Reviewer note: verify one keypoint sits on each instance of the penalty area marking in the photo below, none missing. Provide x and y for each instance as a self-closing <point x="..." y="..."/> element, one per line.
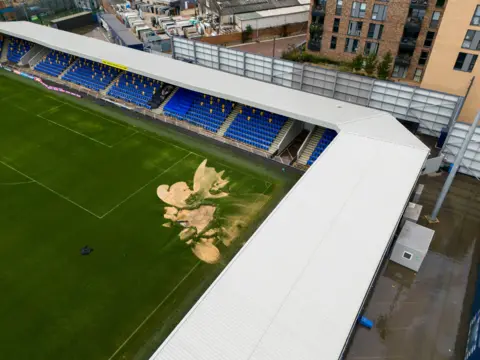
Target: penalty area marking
<point x="144" y="186"/>
<point x="49" y="189"/>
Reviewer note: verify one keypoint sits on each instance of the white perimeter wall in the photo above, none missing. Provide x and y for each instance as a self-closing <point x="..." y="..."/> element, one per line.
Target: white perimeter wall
<point x="273" y="21"/>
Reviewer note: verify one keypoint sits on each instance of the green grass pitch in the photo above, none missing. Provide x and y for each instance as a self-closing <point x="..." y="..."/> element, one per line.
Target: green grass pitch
<point x="74" y="173"/>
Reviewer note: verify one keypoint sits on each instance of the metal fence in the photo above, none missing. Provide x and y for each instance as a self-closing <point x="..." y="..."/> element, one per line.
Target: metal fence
<point x="432" y="110"/>
<point x="471" y="161"/>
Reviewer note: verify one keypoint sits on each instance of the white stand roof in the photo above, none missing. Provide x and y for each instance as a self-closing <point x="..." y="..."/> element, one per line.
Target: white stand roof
<point x="295" y="289"/>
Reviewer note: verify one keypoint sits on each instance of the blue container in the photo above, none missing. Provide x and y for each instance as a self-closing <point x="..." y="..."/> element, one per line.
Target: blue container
<point x="366" y="322"/>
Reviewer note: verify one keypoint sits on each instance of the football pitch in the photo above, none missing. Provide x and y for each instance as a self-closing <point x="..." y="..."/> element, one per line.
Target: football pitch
<point x="163" y="211"/>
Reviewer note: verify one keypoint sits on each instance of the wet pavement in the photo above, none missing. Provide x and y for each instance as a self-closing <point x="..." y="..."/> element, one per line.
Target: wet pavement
<point x="424" y="315"/>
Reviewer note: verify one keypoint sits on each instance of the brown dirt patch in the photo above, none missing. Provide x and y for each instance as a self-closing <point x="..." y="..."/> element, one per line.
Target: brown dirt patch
<point x="207" y="251"/>
<point x="198" y="218"/>
<point x="207" y="179"/>
<point x="175" y="195"/>
<point x="187" y="233"/>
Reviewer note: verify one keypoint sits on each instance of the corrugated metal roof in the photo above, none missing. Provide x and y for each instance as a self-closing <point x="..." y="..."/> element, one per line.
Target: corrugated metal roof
<point x="274" y="12"/>
<point x="295" y="289"/>
<point x="120" y="30"/>
<point x="243" y="6"/>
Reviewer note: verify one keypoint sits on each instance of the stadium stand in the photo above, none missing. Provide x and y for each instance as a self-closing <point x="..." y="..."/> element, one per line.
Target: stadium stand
<point x="91" y="74"/>
<point x="325" y="140"/>
<point x="54" y="63"/>
<point x="199" y="109"/>
<point x="255" y="127"/>
<point x="17" y="48"/>
<point x="135" y="89"/>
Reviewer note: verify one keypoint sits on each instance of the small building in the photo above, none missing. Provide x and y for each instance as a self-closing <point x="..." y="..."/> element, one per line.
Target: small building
<point x="273" y="18"/>
<point x="226" y="11"/>
<point x="118" y="33"/>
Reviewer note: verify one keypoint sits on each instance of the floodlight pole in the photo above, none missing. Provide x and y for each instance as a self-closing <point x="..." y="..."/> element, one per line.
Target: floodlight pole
<point x="456" y="164"/>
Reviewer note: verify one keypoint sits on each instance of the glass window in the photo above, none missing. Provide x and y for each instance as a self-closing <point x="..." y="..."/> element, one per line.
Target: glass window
<point x="440" y="3"/>
<point x="429" y="39"/>
<point x="472" y="40"/>
<point x="355" y="28"/>
<point x="418" y="75"/>
<point x="351" y="45"/>
<point x="375" y="31"/>
<point x="371" y="48"/>
<point x="399" y="71"/>
<point x="379" y="12"/>
<point x="465" y="62"/>
<point x="358" y="9"/>
<point x="333" y="43"/>
<point x="476" y="17"/>
<point x="423" y="58"/>
<point x="435" y="19"/>
<point x="336" y="25"/>
<point x="338" y="10"/>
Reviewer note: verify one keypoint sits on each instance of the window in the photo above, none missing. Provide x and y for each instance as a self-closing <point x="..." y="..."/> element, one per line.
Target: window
<point x="371" y="48"/>
<point x="333" y="43"/>
<point x="375" y="31"/>
<point x="351" y="45"/>
<point x="429" y="39"/>
<point x="435" y="19"/>
<point x="423" y="58"/>
<point x="358" y="9"/>
<point x="416" y="15"/>
<point x="476" y="17"/>
<point x="355" y="28"/>
<point x="399" y="72"/>
<point x="338" y="10"/>
<point x="440" y="3"/>
<point x="472" y="40"/>
<point x="418" y="75"/>
<point x="379" y="12"/>
<point x="465" y="62"/>
<point x="407" y="255"/>
<point x="336" y="25"/>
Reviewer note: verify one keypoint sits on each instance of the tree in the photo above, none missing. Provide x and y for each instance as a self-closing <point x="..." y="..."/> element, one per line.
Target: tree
<point x="370" y="64"/>
<point x="357" y="62"/>
<point x="384" y="67"/>
<point x="247" y="33"/>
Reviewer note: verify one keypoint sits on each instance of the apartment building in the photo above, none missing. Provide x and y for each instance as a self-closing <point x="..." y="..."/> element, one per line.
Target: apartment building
<point x="453" y="66"/>
<point x="342" y="29"/>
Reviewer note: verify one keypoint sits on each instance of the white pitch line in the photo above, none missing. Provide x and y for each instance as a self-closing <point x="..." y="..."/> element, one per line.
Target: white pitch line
<point x="17" y="183"/>
<point x="75" y="132"/>
<point x="50" y="110"/>
<point x="125" y="138"/>
<point x="154" y="310"/>
<point x="144" y="186"/>
<point x="49" y="189"/>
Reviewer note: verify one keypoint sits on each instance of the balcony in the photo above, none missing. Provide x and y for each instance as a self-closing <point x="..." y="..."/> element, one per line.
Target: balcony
<point x="403" y="60"/>
<point x="315" y="45"/>
<point x="408" y="43"/>
<point x="418" y="4"/>
<point x="318" y="8"/>
<point x="413" y="23"/>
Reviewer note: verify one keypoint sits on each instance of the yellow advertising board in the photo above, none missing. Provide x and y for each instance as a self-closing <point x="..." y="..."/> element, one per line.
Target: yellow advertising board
<point x="115" y="65"/>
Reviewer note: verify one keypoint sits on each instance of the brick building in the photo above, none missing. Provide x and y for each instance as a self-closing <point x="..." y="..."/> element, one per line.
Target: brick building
<point x="342" y="29"/>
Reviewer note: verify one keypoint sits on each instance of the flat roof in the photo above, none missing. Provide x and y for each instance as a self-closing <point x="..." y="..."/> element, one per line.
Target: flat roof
<point x="294" y="291"/>
<point x="274" y="12"/>
<point x="120" y="30"/>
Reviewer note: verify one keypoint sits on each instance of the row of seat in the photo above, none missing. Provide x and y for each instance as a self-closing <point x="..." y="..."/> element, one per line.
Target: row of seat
<point x="1" y="44"/>
<point x="17" y="48"/>
<point x="325" y="140"/>
<point x="256" y="127"/>
<point x="136" y="89"/>
<point x="91" y="74"/>
<point x="54" y="63"/>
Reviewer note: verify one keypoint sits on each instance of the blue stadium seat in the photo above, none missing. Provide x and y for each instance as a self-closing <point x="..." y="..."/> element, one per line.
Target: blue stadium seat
<point x="91" y="74"/>
<point x="199" y="109"/>
<point x="17" y="48"/>
<point x="135" y="89"/>
<point x="325" y="140"/>
<point x="1" y="44"/>
<point x="54" y="63"/>
<point x="255" y="127"/>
